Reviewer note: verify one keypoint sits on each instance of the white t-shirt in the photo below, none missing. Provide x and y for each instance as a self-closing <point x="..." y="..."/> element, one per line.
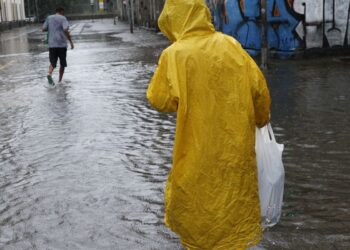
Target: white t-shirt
<point x="56" y="25"/>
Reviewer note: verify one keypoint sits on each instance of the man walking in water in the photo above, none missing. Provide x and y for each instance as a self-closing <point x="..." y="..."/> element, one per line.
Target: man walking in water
<point x="58" y="33"/>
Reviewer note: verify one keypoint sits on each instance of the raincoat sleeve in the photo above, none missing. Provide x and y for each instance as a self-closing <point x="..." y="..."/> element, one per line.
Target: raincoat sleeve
<point x="161" y="92"/>
<point x="261" y="95"/>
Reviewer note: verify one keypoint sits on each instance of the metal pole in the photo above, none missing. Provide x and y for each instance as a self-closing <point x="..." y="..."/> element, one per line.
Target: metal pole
<point x="131" y="15"/>
<point x="92" y="13"/>
<point x="264" y="50"/>
<point x="37" y="10"/>
<point x="92" y="6"/>
<point x="154" y="13"/>
<point x="1" y="12"/>
<point x="150" y="13"/>
<point x="28" y="2"/>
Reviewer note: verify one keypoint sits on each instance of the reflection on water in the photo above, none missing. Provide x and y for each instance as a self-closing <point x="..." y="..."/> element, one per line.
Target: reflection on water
<point x="83" y="165"/>
<point x="311" y="112"/>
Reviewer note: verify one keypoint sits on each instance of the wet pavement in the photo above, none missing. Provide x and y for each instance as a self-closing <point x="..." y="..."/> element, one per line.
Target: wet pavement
<point x="83" y="165"/>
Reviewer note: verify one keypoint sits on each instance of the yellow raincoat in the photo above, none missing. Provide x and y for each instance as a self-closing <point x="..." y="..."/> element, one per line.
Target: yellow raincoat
<point x="220" y="95"/>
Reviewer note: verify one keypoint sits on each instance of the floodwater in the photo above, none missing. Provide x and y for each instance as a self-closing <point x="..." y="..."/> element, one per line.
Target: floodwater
<point x="83" y="165"/>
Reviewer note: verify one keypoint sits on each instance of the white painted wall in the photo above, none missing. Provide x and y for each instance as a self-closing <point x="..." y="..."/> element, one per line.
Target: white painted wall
<point x="328" y="19"/>
<point x="12" y="10"/>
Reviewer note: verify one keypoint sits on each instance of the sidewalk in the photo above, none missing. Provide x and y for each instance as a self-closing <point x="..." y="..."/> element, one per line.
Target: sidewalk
<point x="11" y="25"/>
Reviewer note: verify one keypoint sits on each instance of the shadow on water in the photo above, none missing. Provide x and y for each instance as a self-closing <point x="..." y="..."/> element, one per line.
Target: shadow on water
<point x="83" y="165"/>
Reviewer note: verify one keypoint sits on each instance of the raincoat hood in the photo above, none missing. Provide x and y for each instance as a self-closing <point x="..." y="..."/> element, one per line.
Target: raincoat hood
<point x="183" y="18"/>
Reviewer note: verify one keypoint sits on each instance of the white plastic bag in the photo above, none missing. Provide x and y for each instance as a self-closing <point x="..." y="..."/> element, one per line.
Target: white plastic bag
<point x="271" y="175"/>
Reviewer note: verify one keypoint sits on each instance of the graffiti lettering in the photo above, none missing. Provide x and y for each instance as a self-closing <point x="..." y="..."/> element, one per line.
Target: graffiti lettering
<point x="282" y="25"/>
<point x="291" y="24"/>
<point x="336" y="29"/>
<point x="238" y="18"/>
<point x="329" y="19"/>
<point x="242" y="23"/>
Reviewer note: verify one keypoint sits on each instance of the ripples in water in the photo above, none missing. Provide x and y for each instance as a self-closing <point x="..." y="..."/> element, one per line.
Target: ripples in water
<point x="83" y="165"/>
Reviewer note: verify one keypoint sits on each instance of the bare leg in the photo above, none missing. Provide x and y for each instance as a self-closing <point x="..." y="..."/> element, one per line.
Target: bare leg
<point x="49" y="76"/>
<point x="51" y="70"/>
<point x="61" y="74"/>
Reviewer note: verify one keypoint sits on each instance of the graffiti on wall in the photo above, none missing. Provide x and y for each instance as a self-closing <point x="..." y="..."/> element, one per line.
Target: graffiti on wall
<point x="325" y="22"/>
<point x="282" y="24"/>
<point x="240" y="20"/>
<point x="290" y="24"/>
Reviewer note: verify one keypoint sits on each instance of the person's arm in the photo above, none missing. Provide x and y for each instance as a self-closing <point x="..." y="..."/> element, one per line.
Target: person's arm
<point x="66" y="32"/>
<point x="45" y="26"/>
<point x="69" y="38"/>
<point x="261" y="95"/>
<point x="161" y="93"/>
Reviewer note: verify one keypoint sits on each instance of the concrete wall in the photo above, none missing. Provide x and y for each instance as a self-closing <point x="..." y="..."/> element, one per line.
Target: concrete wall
<point x="146" y="12"/>
<point x="291" y="24"/>
<point x="12" y="10"/>
<point x="85" y="7"/>
<point x="122" y="9"/>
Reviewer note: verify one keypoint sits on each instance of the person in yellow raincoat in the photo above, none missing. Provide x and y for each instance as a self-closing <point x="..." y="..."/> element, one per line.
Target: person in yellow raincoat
<point x="220" y="96"/>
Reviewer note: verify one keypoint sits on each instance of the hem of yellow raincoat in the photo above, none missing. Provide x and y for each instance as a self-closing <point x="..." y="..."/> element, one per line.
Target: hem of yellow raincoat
<point x="233" y="246"/>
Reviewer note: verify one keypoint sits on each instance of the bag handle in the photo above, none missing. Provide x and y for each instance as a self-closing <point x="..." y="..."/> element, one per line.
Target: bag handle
<point x="271" y="134"/>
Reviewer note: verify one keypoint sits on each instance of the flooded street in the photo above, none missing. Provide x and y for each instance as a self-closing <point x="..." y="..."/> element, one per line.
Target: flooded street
<point x="83" y="165"/>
